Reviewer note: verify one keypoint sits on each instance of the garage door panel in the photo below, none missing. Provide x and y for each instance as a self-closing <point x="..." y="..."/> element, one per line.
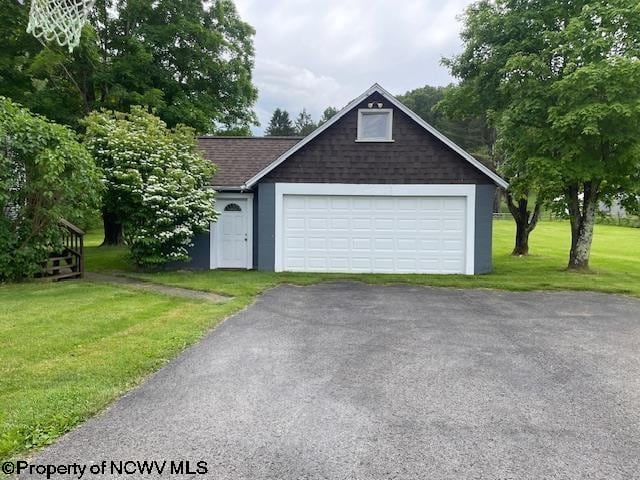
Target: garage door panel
<point x="339" y="224"/>
<point x="374" y="234"/>
<point x="338" y="263"/>
<point x="384" y="204"/>
<point x="315" y="223"/>
<point x="296" y="243"/>
<point x="359" y="223"/>
<point x="294" y="263"/>
<point x="339" y="244"/>
<point x="453" y="204"/>
<point x="361" y="244"/>
<point x="384" y="224"/>
<point x="316" y="243"/>
<point x="317" y="202"/>
<point x="384" y="244"/>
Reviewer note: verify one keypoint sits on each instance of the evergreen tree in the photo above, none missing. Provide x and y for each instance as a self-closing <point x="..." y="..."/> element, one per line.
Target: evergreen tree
<point x="280" y="125"/>
<point x="304" y="123"/>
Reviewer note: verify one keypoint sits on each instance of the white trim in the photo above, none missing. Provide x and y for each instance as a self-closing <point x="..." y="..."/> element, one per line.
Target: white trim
<point x="377" y="88"/>
<point x="467" y="191"/>
<point x="214" y="239"/>
<point x="362" y="112"/>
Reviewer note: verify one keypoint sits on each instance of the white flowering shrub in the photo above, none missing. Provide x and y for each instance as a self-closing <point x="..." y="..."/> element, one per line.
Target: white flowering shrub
<point x="155" y="181"/>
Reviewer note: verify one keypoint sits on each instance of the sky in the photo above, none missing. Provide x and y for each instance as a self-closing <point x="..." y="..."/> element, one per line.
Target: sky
<point x="318" y="53"/>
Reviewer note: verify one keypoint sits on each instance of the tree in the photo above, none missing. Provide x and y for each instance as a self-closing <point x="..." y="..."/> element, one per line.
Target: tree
<point x="156" y="182"/>
<point x="493" y="33"/>
<point x="327" y="114"/>
<point x="280" y="125"/>
<point x="516" y="55"/>
<point x="191" y="61"/>
<point x="469" y="131"/>
<point x="304" y="124"/>
<point x="595" y="146"/>
<point x="45" y="175"/>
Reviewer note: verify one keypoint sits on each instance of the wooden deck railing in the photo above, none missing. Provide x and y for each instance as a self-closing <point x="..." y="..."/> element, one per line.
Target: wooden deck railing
<point x="69" y="263"/>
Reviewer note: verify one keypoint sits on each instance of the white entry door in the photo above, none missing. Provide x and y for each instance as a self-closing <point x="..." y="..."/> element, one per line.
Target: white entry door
<point x="231" y="234"/>
<point x="333" y="233"/>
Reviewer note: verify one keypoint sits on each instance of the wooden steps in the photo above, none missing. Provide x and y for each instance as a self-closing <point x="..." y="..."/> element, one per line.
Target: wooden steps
<point x="69" y="262"/>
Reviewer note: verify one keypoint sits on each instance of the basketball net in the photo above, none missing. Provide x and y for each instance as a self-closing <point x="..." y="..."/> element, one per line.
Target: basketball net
<point x="59" y="21"/>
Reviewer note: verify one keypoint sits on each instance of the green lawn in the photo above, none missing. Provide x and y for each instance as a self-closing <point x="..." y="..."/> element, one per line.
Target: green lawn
<point x="71" y="348"/>
<point x="615" y="266"/>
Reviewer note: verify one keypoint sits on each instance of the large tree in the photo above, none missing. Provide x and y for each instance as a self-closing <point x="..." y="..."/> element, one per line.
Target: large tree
<point x="191" y="61"/>
<point x="525" y="64"/>
<point x="595" y="144"/>
<point x="156" y="182"/>
<point x="280" y="125"/>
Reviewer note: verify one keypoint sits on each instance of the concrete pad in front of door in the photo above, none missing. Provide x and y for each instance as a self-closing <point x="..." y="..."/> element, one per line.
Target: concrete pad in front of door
<point x="345" y="380"/>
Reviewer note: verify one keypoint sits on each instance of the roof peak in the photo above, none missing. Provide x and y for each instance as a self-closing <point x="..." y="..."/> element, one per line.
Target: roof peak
<point x="376" y="87"/>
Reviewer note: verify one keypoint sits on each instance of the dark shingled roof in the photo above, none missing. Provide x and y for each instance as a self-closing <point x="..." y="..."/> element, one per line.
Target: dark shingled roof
<point x="240" y="158"/>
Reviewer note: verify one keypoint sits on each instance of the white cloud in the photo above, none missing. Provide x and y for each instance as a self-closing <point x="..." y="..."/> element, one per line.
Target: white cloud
<point x="313" y="54"/>
<point x="294" y="88"/>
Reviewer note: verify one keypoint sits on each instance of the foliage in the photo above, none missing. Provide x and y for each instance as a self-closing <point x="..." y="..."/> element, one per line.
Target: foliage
<point x="191" y="61"/>
<point x="45" y="175"/>
<point x="533" y="68"/>
<point x="327" y="114"/>
<point x="469" y="131"/>
<point x="304" y="124"/>
<point x="280" y="125"/>
<point x="156" y="182"/>
<point x="598" y="107"/>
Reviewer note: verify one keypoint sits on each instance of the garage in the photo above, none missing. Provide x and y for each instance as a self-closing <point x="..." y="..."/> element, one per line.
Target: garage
<point x="380" y="234"/>
<point x="375" y="189"/>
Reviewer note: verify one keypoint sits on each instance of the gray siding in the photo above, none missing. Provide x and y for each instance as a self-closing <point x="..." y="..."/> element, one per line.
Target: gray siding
<point x="256" y="228"/>
<point x="200" y="254"/>
<point x="485" y="195"/>
<point x="265" y="217"/>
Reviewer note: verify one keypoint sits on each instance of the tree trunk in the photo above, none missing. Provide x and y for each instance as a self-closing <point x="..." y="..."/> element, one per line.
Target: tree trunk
<point x="112" y="229"/>
<point x="526" y="222"/>
<point x="522" y="240"/>
<point x="582" y="222"/>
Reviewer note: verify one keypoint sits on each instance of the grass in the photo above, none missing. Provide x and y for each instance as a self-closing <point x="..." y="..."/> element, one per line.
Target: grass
<point x="104" y="259"/>
<point x="615" y="263"/>
<point x="71" y="348"/>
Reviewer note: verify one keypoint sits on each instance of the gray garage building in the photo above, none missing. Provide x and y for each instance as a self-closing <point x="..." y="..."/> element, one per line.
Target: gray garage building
<point x="375" y="189"/>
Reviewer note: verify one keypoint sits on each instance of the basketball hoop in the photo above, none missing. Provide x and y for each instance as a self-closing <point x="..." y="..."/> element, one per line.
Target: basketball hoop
<point x="59" y="20"/>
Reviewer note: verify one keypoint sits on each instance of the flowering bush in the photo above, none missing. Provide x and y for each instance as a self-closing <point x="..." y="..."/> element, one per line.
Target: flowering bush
<point x="45" y="175"/>
<point x="155" y="181"/>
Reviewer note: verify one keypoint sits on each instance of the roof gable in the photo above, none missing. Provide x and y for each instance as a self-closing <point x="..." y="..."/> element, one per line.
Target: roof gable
<point x="495" y="178"/>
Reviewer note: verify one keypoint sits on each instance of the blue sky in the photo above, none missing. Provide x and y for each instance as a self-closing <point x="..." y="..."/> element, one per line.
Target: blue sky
<point x="316" y="53"/>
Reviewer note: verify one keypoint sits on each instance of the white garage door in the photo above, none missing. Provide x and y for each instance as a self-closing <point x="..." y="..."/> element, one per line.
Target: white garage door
<point x="327" y="233"/>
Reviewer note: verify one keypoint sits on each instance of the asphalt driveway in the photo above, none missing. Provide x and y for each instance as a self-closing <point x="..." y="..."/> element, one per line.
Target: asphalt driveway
<point x="349" y="381"/>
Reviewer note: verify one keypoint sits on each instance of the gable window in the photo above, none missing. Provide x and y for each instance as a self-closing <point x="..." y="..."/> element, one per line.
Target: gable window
<point x="375" y="125"/>
<point x="232" y="207"/>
